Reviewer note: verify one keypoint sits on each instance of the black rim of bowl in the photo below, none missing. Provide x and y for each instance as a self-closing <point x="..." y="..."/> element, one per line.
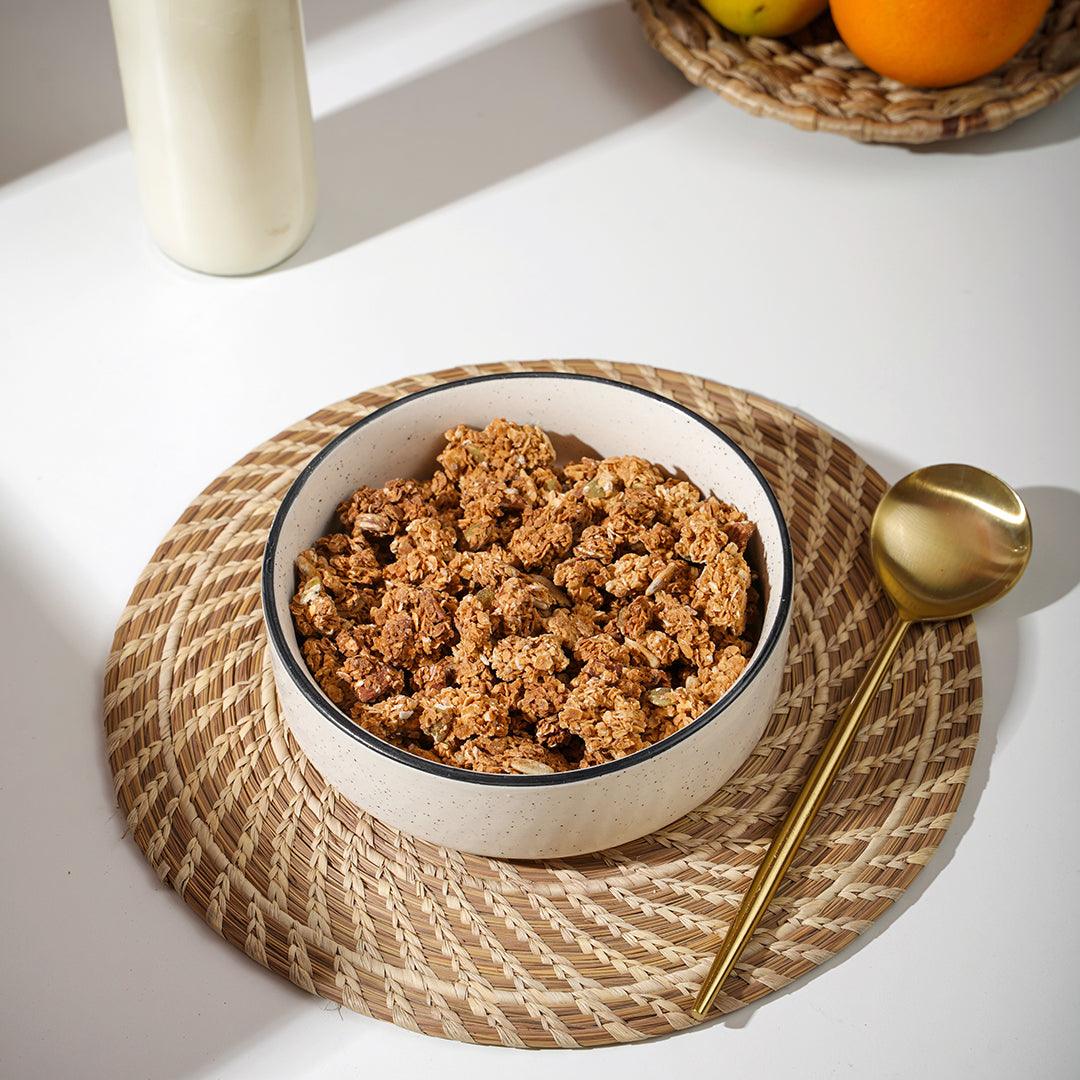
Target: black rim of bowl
<point x="302" y="680"/>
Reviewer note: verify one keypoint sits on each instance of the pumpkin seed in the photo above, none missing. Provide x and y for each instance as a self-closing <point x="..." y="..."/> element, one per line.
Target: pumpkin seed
<point x="440" y="732"/>
<point x="600" y="487"/>
<point x="474" y="535"/>
<point x="312" y="588"/>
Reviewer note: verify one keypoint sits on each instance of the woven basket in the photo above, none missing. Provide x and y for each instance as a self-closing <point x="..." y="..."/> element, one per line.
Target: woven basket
<point x="813" y="82"/>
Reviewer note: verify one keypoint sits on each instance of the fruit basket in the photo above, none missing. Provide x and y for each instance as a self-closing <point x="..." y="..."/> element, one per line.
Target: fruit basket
<point x="812" y="81"/>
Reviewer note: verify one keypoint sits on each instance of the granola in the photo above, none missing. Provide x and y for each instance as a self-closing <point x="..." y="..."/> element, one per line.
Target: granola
<point x="512" y="616"/>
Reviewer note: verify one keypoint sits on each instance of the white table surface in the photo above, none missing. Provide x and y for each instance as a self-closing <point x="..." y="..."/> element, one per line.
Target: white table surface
<point x="522" y="180"/>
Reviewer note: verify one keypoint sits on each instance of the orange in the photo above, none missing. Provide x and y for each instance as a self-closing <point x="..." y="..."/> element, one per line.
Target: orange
<point x="936" y="42"/>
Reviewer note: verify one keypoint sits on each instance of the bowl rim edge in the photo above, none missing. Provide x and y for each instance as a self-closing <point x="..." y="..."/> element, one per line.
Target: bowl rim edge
<point x="328" y="711"/>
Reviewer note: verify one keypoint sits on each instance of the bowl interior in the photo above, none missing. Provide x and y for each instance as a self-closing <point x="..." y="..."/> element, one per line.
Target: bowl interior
<point x="582" y="414"/>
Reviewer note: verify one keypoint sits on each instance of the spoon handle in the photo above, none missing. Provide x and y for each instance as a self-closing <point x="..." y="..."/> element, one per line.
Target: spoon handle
<point x="797" y="823"/>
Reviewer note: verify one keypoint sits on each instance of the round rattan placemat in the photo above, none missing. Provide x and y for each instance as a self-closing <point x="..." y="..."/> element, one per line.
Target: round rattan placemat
<point x="579" y="952"/>
<point x="811" y="80"/>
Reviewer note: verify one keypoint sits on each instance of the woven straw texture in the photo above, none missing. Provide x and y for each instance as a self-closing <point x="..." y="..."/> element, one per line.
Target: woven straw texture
<point x="811" y="80"/>
<point x="587" y="951"/>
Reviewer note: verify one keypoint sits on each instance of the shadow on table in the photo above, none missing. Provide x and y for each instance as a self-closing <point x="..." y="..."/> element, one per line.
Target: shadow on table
<point x="104" y="968"/>
<point x="59" y="87"/>
<point x="59" y="84"/>
<point x="394" y="157"/>
<point x="1053" y="573"/>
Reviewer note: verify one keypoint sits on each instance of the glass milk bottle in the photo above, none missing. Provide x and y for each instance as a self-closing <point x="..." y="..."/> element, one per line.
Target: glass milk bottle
<point x="217" y="103"/>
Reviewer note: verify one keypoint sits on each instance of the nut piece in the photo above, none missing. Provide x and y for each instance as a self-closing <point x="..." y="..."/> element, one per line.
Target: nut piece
<point x="662" y="578"/>
<point x="560" y="598"/>
<point x="375" y="523"/>
<point x="528" y="767"/>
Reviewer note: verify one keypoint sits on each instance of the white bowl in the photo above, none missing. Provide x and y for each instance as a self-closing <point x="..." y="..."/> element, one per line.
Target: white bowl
<point x="529" y="817"/>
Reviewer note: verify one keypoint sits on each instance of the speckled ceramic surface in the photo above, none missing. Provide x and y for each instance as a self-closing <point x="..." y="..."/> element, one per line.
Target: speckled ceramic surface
<point x="529" y="817"/>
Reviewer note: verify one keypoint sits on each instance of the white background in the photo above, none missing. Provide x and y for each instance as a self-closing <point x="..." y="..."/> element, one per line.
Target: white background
<point x="519" y="180"/>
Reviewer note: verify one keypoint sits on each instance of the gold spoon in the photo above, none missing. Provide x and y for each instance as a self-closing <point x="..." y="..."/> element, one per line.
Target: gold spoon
<point x="945" y="540"/>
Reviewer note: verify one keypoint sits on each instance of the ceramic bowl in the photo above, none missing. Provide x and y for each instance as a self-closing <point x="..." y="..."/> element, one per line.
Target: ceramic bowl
<point x="529" y="817"/>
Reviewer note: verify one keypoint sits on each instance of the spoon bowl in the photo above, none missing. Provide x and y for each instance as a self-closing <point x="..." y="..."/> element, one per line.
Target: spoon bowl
<point x="947" y="540"/>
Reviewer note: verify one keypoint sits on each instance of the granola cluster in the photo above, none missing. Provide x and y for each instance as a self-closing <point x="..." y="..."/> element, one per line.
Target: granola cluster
<point x="511" y="616"/>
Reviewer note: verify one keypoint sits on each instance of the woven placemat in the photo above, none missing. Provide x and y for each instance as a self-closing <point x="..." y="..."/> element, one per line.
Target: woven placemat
<point x="578" y="952"/>
<point x="811" y="80"/>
